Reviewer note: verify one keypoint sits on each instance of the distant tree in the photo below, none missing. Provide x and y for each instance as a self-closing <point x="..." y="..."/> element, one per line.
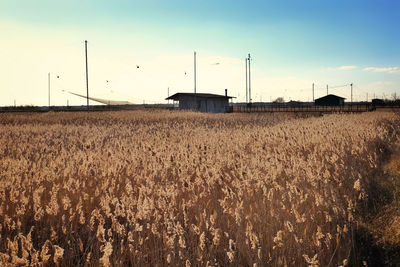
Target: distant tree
<point x="279" y="100"/>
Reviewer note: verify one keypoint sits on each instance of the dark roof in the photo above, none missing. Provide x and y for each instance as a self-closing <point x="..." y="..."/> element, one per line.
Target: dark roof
<point x="177" y="95"/>
<point x="330" y="97"/>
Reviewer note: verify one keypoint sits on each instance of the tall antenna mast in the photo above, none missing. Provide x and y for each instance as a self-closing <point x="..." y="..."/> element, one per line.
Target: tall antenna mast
<point x="351" y="86"/>
<point x="249" y="81"/>
<point x="246" y="83"/>
<point x="87" y="77"/>
<point x="313" y="92"/>
<point x="195" y="72"/>
<point x="48" y="80"/>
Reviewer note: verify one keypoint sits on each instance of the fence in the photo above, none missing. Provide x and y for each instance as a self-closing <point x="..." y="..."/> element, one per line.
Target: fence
<point x="306" y="108"/>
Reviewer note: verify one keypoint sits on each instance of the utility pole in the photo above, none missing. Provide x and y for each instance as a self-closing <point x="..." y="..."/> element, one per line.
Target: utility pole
<point x="313" y="92"/>
<point x="87" y="77"/>
<point x="195" y="72"/>
<point x="327" y="90"/>
<point x="249" y="81"/>
<point x="351" y="86"/>
<point x="195" y="96"/>
<point x="168" y="95"/>
<point x="247" y="98"/>
<point x="48" y="81"/>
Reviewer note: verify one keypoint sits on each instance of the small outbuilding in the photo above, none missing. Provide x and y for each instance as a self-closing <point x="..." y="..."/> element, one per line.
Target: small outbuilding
<point x="330" y="100"/>
<point x="378" y="102"/>
<point x="202" y="102"/>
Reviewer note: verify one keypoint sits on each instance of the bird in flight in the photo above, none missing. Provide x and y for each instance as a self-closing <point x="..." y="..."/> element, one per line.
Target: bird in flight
<point x="137" y="66"/>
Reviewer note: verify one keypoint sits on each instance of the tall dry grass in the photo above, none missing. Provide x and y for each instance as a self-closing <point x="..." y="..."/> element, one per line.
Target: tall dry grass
<point x="185" y="189"/>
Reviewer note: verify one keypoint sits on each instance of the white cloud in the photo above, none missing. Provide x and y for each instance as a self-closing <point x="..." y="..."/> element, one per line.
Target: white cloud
<point x="350" y="67"/>
<point x="387" y="69"/>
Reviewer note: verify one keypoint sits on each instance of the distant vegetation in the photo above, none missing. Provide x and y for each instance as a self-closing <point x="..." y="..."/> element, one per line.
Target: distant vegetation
<point x="160" y="188"/>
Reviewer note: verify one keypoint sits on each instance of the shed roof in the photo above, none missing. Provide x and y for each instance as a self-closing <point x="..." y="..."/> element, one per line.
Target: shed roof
<point x="330" y="97"/>
<point x="202" y="95"/>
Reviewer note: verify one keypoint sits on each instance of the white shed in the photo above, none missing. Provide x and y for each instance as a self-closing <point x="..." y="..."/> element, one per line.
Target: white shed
<point x="203" y="102"/>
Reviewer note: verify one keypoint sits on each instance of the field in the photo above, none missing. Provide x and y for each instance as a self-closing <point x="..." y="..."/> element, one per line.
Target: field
<point x="160" y="188"/>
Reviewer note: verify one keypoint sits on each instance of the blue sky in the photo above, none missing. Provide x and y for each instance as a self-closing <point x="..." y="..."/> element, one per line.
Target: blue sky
<point x="293" y="44"/>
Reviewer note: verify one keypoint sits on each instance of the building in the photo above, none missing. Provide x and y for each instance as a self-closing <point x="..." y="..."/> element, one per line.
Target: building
<point x="330" y="100"/>
<point x="203" y="102"/>
<point x="378" y="102"/>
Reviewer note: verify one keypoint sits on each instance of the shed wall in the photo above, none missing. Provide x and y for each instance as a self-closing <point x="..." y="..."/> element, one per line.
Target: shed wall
<point x="212" y="105"/>
<point x="329" y="102"/>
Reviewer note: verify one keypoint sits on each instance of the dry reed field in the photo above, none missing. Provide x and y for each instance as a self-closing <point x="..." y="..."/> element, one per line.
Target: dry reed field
<point x="160" y="188"/>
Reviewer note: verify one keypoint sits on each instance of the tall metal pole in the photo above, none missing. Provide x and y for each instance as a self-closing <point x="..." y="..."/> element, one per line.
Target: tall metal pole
<point x="249" y="80"/>
<point x="247" y="97"/>
<point x="327" y="90"/>
<point x="196" y="107"/>
<point x="87" y="77"/>
<point x="351" y="86"/>
<point x="48" y="80"/>
<point x="168" y="95"/>
<point x="195" y="73"/>
<point x="313" y="92"/>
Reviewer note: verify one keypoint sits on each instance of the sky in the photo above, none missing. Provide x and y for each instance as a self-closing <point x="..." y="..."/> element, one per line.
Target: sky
<point x="292" y="43"/>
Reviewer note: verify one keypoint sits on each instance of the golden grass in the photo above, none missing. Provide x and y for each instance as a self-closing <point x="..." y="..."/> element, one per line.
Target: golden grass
<point x="178" y="188"/>
<point x="385" y="225"/>
<point x="394" y="165"/>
